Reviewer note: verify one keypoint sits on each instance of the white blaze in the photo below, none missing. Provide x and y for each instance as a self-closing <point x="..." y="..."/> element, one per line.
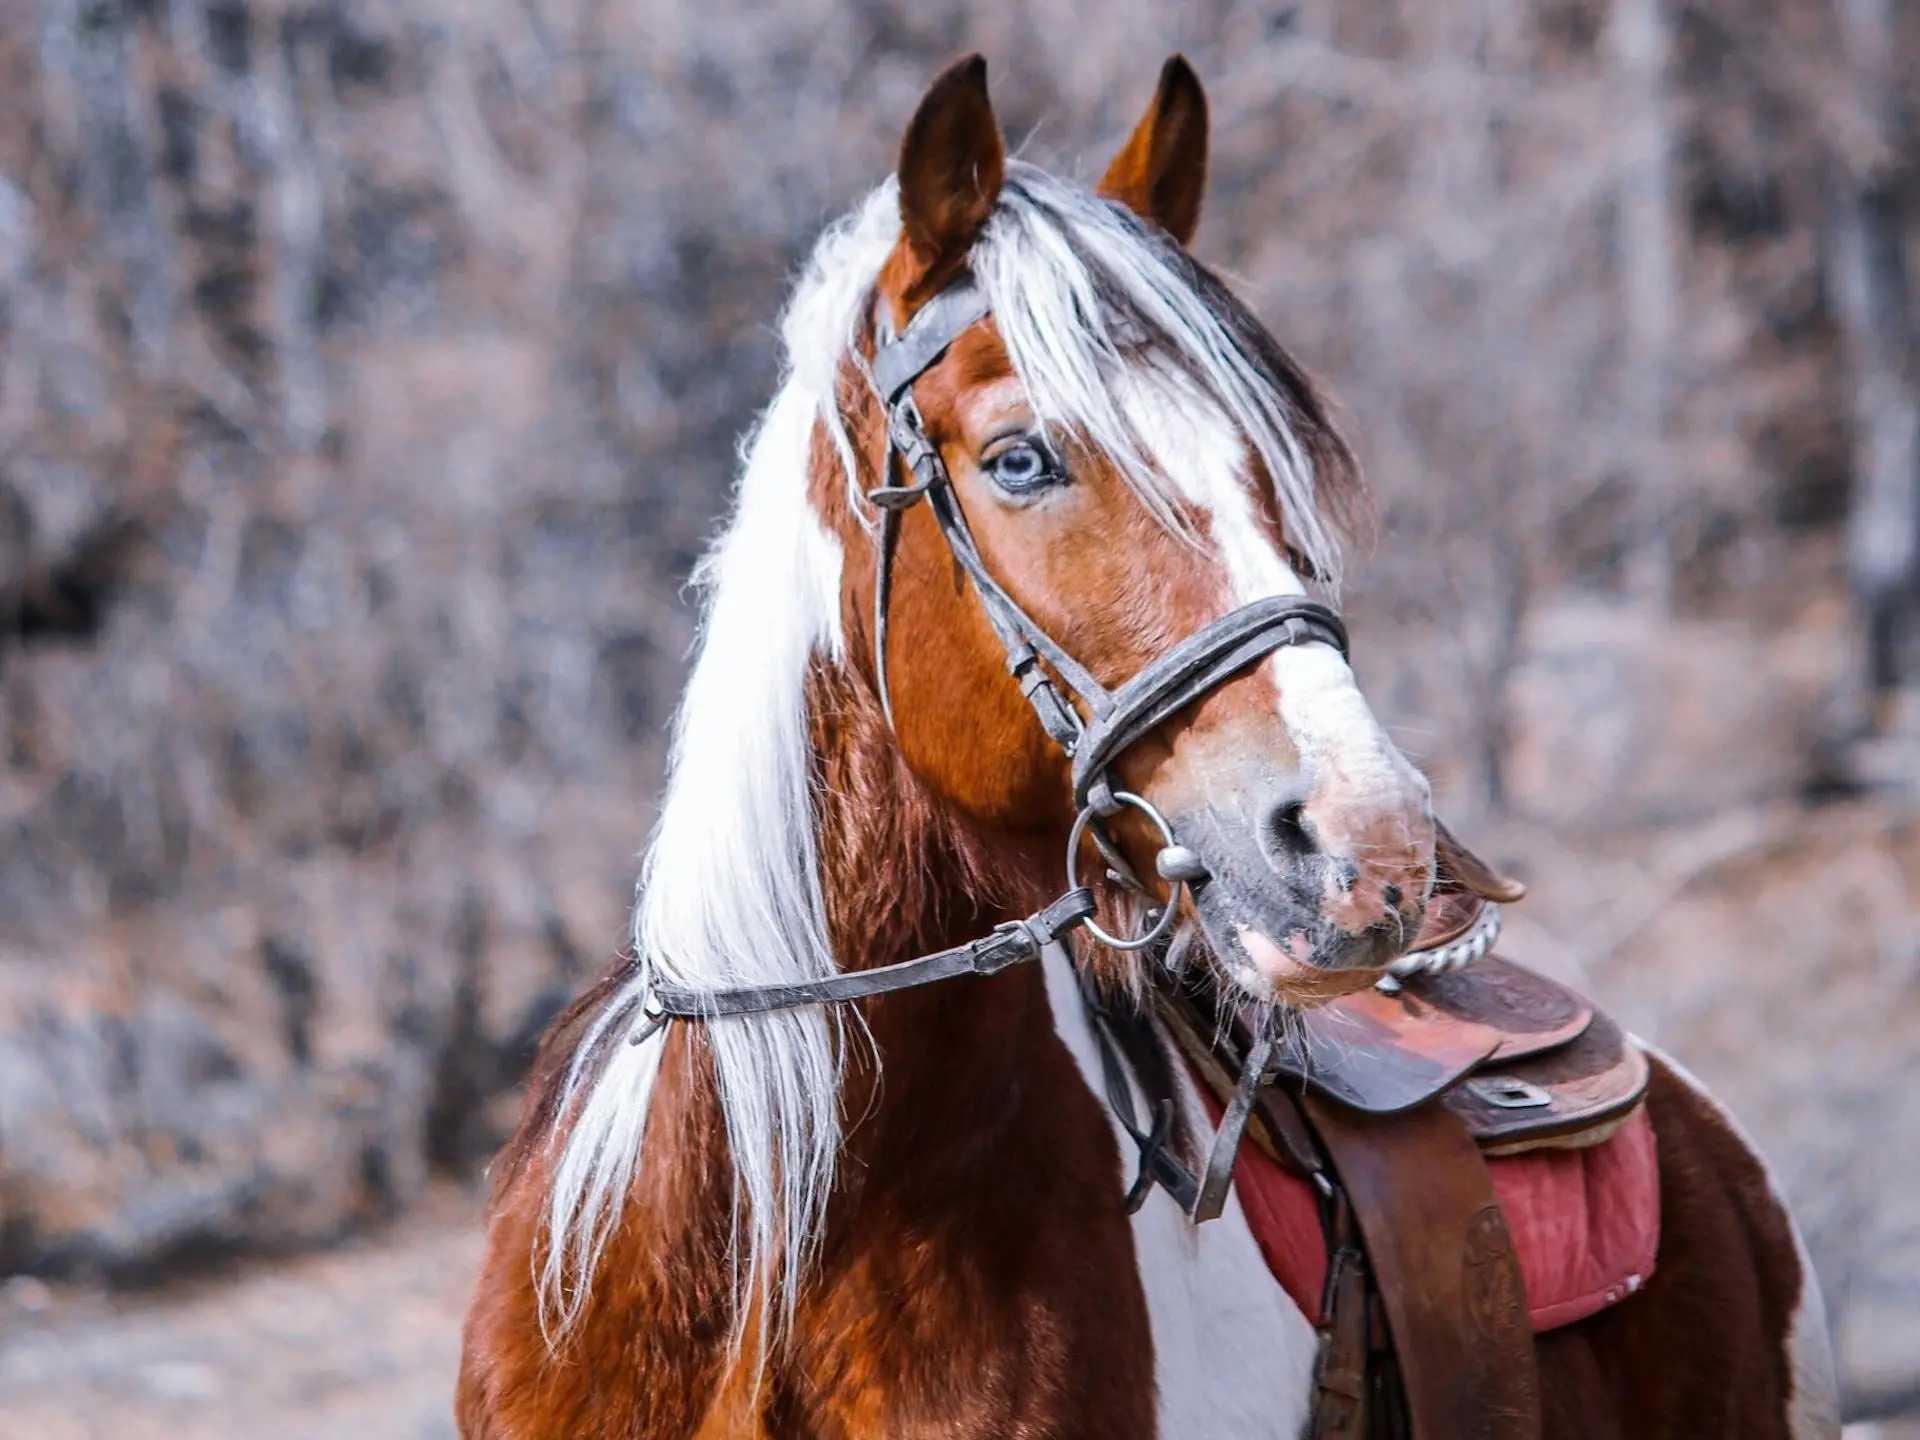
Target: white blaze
<point x="1343" y="749"/>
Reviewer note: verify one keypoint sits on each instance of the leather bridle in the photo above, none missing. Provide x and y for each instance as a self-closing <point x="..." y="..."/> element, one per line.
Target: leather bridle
<point x="1093" y="733"/>
<point x="1116" y="719"/>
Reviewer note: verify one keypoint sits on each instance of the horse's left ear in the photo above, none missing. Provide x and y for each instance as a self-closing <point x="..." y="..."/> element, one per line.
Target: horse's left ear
<point x="1161" y="172"/>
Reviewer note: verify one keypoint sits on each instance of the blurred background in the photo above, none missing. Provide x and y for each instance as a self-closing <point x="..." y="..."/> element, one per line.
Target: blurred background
<point x="369" y="379"/>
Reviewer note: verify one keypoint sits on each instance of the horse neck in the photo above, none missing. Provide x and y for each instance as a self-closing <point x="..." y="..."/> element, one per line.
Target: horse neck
<point x="902" y="875"/>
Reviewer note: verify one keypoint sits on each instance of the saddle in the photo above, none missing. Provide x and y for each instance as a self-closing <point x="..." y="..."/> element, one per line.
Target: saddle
<point x="1435" y="1130"/>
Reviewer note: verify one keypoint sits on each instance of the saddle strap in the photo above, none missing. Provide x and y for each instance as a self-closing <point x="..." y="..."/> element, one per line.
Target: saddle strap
<point x="1445" y="1268"/>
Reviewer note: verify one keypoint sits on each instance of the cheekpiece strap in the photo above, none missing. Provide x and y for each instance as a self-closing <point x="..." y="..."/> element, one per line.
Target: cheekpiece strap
<point x="897" y="363"/>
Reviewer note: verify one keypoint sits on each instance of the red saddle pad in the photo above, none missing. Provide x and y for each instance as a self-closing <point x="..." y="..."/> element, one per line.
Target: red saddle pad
<point x="1586" y="1223"/>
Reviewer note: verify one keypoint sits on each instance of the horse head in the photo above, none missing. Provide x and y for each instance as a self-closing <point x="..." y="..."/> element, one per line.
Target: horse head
<point x="1131" y="457"/>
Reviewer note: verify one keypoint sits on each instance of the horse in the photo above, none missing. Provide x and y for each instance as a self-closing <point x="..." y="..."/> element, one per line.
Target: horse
<point x="855" y="1204"/>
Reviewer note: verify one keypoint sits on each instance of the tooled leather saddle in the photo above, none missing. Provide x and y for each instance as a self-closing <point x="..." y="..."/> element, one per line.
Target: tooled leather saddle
<point x="1437" y="1131"/>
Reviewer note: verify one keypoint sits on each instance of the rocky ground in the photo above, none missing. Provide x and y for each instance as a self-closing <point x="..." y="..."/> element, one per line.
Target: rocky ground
<point x="361" y="1342"/>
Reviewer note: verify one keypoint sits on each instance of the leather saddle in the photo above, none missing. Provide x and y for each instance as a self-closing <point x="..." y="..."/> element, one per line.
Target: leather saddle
<point x="1519" y="1059"/>
<point x="1392" y="1101"/>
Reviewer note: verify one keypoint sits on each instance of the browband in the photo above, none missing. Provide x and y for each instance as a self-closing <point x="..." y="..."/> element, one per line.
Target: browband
<point x="898" y="362"/>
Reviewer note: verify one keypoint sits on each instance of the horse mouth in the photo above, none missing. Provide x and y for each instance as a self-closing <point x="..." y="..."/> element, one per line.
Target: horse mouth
<point x="1285" y="953"/>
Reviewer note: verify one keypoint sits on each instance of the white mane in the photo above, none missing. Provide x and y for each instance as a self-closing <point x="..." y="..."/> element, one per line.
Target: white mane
<point x="729" y="891"/>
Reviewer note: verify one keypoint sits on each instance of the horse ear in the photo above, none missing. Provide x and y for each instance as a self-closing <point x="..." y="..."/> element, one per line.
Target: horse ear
<point x="1161" y="172"/>
<point x="952" y="164"/>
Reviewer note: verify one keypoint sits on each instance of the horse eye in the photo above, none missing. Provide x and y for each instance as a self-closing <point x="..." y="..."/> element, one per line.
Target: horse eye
<point x="1023" y="468"/>
<point x="1302" y="566"/>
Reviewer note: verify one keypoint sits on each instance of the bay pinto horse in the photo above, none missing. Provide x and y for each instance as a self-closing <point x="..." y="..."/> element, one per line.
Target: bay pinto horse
<point x="904" y="1216"/>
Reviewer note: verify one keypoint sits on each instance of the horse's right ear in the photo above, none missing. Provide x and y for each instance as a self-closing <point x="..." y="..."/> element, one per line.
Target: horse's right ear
<point x="952" y="163"/>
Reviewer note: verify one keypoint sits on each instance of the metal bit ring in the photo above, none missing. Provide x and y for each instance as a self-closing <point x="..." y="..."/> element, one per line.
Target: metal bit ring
<point x="1162" y="927"/>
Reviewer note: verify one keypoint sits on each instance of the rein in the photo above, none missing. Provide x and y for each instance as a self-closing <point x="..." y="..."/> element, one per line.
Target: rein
<point x="1115" y="720"/>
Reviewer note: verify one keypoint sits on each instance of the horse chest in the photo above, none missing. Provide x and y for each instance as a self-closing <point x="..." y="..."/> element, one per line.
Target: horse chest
<point x="1232" y="1355"/>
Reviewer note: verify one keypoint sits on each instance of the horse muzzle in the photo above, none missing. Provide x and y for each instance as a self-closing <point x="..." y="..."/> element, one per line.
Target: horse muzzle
<point x="1292" y="915"/>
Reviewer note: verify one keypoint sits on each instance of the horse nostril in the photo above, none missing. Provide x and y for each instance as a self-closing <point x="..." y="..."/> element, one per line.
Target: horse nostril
<point x="1285" y="836"/>
<point x="1391" y="894"/>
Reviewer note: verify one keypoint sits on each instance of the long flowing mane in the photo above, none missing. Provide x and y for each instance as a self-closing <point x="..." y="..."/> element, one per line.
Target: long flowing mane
<point x="1104" y="320"/>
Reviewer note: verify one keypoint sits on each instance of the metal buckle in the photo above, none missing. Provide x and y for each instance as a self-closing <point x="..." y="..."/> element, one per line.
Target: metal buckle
<point x="907" y="433"/>
<point x="656" y="1021"/>
<point x="1506" y="1092"/>
<point x="1163" y="924"/>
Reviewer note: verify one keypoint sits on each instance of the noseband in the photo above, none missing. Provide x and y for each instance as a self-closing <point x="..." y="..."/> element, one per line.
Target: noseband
<point x="1114" y="720"/>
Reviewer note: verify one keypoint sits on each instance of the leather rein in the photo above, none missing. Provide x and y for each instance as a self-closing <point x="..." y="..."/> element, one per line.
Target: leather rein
<point x="1093" y="733"/>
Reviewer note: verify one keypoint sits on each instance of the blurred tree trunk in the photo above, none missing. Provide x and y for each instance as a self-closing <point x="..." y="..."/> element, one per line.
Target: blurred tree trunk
<point x="1638" y="47"/>
<point x="1874" y="305"/>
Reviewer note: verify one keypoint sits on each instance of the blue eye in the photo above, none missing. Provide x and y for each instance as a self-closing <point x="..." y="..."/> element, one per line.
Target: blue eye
<point x="1023" y="468"/>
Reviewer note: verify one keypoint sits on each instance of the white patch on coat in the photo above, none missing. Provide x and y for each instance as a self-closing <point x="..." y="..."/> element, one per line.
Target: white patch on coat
<point x="1352" y="768"/>
<point x="1813" y="1410"/>
<point x="1233" y="1356"/>
<point x="1201" y="455"/>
